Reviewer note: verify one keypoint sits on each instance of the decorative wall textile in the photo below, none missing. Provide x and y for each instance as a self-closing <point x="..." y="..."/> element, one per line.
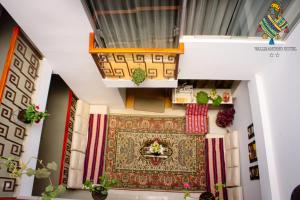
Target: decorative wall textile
<point x="19" y="88"/>
<point x="196" y="118"/>
<point x="215" y="165"/>
<point x="94" y="157"/>
<point x="126" y="160"/>
<point x="66" y="152"/>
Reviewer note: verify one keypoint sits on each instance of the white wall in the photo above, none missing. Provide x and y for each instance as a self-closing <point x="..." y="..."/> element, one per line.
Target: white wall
<point x="243" y="118"/>
<point x="34" y="131"/>
<point x="275" y="108"/>
<point x="281" y="90"/>
<point x="60" y="29"/>
<point x="217" y="58"/>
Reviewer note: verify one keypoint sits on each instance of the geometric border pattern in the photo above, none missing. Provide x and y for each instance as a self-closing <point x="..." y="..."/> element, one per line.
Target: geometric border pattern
<point x="19" y="87"/>
<point x="122" y="65"/>
<point x="69" y="140"/>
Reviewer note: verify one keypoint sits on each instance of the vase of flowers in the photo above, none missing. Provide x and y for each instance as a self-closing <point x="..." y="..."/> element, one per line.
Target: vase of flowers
<point x="186" y="192"/>
<point x="31" y="114"/>
<point x="100" y="191"/>
<point x="156" y="148"/>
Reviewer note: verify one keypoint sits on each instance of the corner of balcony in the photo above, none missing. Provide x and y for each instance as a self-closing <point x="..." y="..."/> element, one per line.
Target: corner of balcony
<point x="116" y="65"/>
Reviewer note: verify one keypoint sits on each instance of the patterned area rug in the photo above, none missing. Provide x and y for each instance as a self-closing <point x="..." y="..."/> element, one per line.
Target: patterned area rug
<point x="126" y="160"/>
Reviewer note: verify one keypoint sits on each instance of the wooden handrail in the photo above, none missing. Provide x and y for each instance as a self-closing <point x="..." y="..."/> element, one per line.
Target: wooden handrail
<point x="92" y="49"/>
<point x="9" y="56"/>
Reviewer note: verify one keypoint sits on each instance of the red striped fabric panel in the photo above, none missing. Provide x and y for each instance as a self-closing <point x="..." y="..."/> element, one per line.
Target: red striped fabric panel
<point x="196" y="118"/>
<point x="94" y="158"/>
<point x="215" y="165"/>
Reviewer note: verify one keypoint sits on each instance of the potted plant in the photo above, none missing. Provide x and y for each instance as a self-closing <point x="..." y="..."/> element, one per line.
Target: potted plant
<point x="138" y="76"/>
<point x="31" y="114"/>
<point x="100" y="191"/>
<point x="203" y="97"/>
<point x="17" y="168"/>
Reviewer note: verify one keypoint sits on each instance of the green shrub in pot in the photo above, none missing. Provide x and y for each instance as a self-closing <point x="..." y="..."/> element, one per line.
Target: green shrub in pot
<point x="138" y="76"/>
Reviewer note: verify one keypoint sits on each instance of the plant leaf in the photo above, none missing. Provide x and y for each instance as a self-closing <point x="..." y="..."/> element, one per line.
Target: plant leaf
<point x="42" y="173"/>
<point x="49" y="188"/>
<point x="217" y="101"/>
<point x="30" y="172"/>
<point x="52" y="166"/>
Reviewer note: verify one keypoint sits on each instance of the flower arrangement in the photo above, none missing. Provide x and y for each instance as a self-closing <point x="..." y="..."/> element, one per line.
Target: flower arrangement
<point x="32" y="114"/>
<point x="100" y="191"/>
<point x="156" y="148"/>
<point x="138" y="76"/>
<point x="203" y="97"/>
<point x="225" y="117"/>
<point x="186" y="191"/>
<point x="18" y="168"/>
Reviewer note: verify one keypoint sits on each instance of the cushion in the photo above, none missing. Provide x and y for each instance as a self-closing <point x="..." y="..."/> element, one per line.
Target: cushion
<point x="235" y="157"/>
<point x="235" y="193"/>
<point x="79" y="142"/>
<point x="77" y="160"/>
<point x="82" y="109"/>
<point x="233" y="176"/>
<point x="227" y="141"/>
<point x="80" y="125"/>
<point x="231" y="140"/>
<point x="234" y="139"/>
<point x="75" y="179"/>
<point x="232" y="158"/>
<point x="98" y="109"/>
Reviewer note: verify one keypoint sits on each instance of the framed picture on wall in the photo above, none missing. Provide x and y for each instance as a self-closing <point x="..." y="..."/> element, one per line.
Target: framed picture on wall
<point x="252" y="152"/>
<point x="254" y="172"/>
<point x="250" y="130"/>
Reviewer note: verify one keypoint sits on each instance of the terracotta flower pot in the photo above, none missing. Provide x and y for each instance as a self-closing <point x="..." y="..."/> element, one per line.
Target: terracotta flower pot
<point x="98" y="196"/>
<point x="21" y="117"/>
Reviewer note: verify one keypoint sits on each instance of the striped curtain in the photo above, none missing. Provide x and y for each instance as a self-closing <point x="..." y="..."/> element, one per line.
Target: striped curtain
<point x="196" y="118"/>
<point x="94" y="158"/>
<point x="215" y="165"/>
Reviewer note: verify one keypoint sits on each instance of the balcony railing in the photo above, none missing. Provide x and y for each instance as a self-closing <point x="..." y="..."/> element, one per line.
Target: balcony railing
<point x="119" y="63"/>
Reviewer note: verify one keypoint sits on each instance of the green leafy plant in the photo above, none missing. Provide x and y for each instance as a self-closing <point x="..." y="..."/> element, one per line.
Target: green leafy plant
<point x="203" y="97"/>
<point x="138" y="76"/>
<point x="219" y="187"/>
<point x="18" y="168"/>
<point x="103" y="187"/>
<point x="32" y="114"/>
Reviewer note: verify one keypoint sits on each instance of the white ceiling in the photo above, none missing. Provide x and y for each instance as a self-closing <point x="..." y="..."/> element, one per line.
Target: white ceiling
<point x="60" y="29"/>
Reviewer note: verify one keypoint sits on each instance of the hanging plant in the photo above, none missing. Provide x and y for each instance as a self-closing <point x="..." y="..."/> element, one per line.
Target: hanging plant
<point x="138" y="76"/>
<point x="31" y="114"/>
<point x="203" y="97"/>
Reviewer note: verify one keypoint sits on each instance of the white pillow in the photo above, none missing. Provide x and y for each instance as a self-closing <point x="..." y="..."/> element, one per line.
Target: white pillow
<point x="235" y="157"/>
<point x="82" y="109"/>
<point x="233" y="176"/>
<point x="75" y="179"/>
<point x="235" y="193"/>
<point x="234" y="139"/>
<point x="77" y="160"/>
<point x="79" y="142"/>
